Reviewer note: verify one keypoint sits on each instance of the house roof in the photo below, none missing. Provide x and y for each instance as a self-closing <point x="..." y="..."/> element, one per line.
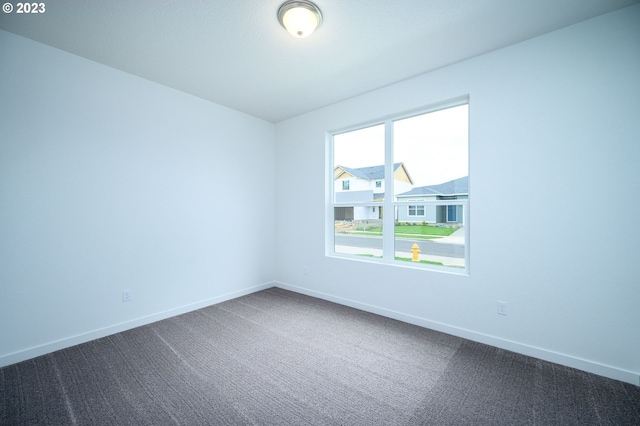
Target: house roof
<point x="371" y="172"/>
<point x="452" y="187"/>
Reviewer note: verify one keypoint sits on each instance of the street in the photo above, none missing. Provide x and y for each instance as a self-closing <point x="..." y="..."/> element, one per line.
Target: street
<point x="402" y="245"/>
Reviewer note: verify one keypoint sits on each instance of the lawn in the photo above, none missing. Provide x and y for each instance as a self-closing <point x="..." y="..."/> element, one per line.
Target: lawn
<point x="425" y="230"/>
<point x="410" y="231"/>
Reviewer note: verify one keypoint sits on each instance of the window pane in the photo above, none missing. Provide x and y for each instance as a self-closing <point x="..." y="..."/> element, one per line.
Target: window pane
<point x="432" y="148"/>
<point x="362" y="237"/>
<point x="358" y="166"/>
<point x="431" y="163"/>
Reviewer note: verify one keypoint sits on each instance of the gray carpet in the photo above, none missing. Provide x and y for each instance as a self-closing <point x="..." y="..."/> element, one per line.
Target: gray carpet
<point x="281" y="358"/>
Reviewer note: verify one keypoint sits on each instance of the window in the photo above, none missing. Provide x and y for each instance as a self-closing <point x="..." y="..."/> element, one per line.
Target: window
<point x="415" y="210"/>
<point x="422" y="158"/>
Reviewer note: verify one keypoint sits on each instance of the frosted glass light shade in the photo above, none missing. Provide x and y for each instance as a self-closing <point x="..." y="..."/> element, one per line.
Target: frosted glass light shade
<point x="299" y="18"/>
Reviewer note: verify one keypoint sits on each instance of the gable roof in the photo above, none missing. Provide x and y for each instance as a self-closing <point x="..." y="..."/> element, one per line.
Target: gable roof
<point x="452" y="187"/>
<point x="371" y="172"/>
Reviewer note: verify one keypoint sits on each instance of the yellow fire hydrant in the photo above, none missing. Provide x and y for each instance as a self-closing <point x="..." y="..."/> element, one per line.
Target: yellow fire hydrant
<point x="416" y="251"/>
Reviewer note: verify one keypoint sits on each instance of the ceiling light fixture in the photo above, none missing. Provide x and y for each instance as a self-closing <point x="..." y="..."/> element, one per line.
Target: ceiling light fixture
<point x="299" y="17"/>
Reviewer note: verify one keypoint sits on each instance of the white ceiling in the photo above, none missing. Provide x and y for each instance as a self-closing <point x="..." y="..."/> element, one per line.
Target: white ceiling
<point x="235" y="53"/>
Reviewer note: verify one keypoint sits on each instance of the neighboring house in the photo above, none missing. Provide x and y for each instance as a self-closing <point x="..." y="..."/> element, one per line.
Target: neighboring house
<point x="457" y="189"/>
<point x="363" y="185"/>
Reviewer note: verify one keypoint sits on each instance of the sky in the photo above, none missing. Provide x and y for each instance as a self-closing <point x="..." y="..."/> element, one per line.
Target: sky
<point x="434" y="147"/>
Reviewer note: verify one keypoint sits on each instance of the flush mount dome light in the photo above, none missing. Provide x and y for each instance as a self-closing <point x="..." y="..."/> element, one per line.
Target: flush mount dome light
<point x="299" y="17"/>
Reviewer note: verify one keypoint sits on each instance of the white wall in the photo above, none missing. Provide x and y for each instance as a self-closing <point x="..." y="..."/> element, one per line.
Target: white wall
<point x="553" y="128"/>
<point x="110" y="182"/>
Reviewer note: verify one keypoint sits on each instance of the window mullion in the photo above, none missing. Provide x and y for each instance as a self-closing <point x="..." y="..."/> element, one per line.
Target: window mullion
<point x="388" y="220"/>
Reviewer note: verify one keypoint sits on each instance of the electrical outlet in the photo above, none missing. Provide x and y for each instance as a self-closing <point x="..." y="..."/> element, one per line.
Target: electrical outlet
<point x="126" y="295"/>
<point x="502" y="308"/>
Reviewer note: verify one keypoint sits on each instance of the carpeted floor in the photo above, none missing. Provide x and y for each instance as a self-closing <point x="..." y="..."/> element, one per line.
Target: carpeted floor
<point x="281" y="358"/>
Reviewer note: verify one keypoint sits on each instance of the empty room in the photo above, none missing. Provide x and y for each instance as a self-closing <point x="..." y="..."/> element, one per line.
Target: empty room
<point x="354" y="212"/>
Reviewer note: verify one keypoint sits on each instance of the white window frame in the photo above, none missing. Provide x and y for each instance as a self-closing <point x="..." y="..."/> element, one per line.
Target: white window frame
<point x="389" y="204"/>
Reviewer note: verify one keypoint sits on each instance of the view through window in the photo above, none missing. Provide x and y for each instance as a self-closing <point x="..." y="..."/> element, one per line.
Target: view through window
<point x="400" y="190"/>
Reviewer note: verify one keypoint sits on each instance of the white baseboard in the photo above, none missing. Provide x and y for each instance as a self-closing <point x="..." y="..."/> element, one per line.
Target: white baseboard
<point x="49" y="347"/>
<point x="536" y="352"/>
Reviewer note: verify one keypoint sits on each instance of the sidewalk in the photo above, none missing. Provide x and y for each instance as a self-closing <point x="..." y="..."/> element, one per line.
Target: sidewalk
<point x="446" y="261"/>
<point x="456" y="238"/>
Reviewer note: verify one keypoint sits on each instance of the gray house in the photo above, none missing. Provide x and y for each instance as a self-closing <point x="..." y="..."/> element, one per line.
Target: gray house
<point x="457" y="189"/>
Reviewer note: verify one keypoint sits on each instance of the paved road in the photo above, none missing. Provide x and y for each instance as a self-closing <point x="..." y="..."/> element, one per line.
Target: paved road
<point x="402" y="245"/>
